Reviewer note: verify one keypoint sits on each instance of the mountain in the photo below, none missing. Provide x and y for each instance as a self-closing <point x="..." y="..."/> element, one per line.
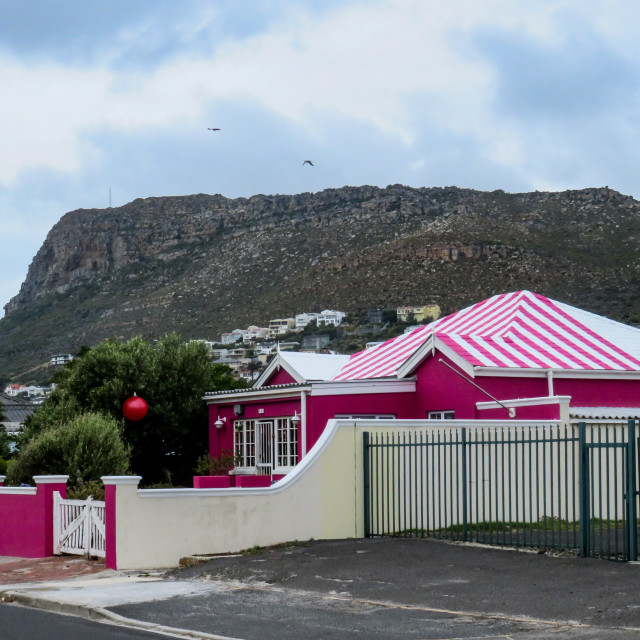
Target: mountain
<point x="203" y="264"/>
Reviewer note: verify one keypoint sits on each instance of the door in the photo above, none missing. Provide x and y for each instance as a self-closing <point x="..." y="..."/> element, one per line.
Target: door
<point x="265" y="446"/>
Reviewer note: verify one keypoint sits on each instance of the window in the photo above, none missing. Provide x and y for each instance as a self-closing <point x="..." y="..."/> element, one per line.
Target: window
<point x="266" y="446"/>
<point x="287" y="442"/>
<point x="441" y="415"/>
<point x="244" y="436"/>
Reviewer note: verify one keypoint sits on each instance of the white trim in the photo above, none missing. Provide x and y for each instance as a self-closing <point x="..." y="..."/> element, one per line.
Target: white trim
<point x="358" y="387"/>
<point x="121" y="479"/>
<point x="29" y="491"/>
<point x="256" y="394"/>
<point x="50" y="479"/>
<point x="274" y="365"/>
<point x="415" y="359"/>
<point x="557" y="373"/>
<point x="433" y="344"/>
<point x="525" y="402"/>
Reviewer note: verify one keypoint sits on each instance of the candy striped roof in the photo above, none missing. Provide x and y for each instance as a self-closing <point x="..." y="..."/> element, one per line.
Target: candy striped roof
<point x="512" y="330"/>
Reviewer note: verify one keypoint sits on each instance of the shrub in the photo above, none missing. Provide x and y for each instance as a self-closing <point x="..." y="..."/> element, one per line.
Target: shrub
<point x="214" y="466"/>
<point x="86" y="448"/>
<point x="82" y="490"/>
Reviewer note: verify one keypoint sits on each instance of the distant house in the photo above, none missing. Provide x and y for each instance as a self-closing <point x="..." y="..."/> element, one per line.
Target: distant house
<point x="15" y="411"/>
<point x="515" y="355"/>
<point x="315" y="342"/>
<point x="418" y="314"/>
<point x="60" y="359"/>
<point x="280" y="326"/>
<point x="303" y="319"/>
<point x="255" y="333"/>
<point x="330" y="317"/>
<point x="375" y="316"/>
<point x="233" y="336"/>
<point x="13" y="389"/>
<point x="265" y="349"/>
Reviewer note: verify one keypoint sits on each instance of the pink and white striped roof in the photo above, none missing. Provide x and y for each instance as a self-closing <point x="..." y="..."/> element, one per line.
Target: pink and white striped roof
<point x="512" y="330"/>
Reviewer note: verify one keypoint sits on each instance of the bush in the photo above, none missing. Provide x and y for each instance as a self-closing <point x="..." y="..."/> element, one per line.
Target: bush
<point x="86" y="448"/>
<point x="82" y="490"/>
<point x="210" y="466"/>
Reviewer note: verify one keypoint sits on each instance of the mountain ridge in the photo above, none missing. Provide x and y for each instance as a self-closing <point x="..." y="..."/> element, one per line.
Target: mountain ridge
<point x="202" y="264"/>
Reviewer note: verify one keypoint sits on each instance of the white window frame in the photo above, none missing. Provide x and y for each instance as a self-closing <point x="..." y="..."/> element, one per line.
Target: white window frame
<point x="247" y="442"/>
<point x="441" y="415"/>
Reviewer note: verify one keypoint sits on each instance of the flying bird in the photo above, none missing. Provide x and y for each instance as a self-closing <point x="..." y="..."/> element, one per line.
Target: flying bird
<point x="214" y="129"/>
<point x="307" y="162"/>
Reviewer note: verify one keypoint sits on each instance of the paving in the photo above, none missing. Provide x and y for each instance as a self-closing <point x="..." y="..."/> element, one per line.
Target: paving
<point x="375" y="588"/>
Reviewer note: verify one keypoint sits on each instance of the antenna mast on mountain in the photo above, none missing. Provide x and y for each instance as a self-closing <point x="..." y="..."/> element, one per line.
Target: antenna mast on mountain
<point x="109" y="197"/>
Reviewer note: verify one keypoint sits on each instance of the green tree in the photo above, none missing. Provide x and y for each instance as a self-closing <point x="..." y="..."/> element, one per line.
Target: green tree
<point x="85" y="449"/>
<point x="6" y="442"/>
<point x="171" y="375"/>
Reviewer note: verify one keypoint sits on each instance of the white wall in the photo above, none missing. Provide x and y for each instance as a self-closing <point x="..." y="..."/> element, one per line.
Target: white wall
<point x="320" y="499"/>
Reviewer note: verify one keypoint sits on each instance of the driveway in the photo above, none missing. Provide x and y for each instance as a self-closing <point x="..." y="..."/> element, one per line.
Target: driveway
<point x="402" y="588"/>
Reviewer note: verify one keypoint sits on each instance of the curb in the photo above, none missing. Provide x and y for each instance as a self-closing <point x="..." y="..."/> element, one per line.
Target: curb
<point x="98" y="614"/>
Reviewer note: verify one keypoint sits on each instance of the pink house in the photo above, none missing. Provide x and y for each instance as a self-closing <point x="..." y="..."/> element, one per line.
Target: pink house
<point x="513" y="356"/>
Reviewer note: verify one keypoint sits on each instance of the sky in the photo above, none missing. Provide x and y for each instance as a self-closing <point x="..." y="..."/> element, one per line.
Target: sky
<point x="107" y="101"/>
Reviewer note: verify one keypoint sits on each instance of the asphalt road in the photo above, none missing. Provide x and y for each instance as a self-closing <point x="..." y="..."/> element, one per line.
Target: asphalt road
<point x="399" y="588"/>
<point x="21" y="623"/>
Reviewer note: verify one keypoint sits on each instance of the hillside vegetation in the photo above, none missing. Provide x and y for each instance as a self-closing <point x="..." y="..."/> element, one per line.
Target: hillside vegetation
<point x="199" y="265"/>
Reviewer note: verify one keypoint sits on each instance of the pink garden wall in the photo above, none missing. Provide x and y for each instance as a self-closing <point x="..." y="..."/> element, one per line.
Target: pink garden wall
<point x="26" y="515"/>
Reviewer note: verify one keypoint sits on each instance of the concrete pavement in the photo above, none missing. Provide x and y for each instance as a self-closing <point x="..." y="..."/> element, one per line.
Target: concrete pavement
<point x="378" y="588"/>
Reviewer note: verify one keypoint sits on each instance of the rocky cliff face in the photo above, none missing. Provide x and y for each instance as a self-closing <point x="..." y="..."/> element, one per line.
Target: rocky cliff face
<point x="203" y="264"/>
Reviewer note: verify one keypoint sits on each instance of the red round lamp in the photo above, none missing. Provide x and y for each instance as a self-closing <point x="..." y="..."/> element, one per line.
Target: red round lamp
<point x="135" y="408"/>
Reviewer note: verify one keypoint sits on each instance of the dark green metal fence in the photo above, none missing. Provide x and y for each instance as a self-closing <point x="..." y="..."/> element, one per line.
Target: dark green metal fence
<point x="544" y="486"/>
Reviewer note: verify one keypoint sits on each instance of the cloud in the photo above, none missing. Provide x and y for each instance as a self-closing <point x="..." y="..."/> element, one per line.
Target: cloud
<point x="487" y="95"/>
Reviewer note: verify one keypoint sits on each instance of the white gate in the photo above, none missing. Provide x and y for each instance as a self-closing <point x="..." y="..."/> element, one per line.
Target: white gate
<point x="78" y="526"/>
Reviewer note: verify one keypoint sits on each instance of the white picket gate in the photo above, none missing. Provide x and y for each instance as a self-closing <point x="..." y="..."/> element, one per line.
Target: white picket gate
<point x="78" y="526"/>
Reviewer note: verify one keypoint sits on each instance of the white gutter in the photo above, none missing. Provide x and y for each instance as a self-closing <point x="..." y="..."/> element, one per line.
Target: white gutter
<point x="601" y="374"/>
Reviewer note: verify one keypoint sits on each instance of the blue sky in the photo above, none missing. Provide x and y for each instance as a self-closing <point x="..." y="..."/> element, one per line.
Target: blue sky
<point x="484" y="94"/>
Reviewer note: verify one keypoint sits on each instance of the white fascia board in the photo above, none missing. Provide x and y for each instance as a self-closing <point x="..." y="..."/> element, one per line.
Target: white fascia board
<point x="516" y="372"/>
<point x="432" y="344"/>
<point x="524" y="402"/>
<point x="256" y="394"/>
<point x="361" y="387"/>
<point x="414" y="360"/>
<point x="457" y="359"/>
<point x="266" y="372"/>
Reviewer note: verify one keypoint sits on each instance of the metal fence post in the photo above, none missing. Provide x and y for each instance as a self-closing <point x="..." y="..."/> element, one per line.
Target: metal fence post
<point x="632" y="526"/>
<point x="464" y="484"/>
<point x="366" y="472"/>
<point x="585" y="524"/>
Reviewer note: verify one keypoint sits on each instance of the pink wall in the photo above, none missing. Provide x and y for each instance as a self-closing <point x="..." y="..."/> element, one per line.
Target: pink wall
<point x="111" y="559"/>
<point x="222" y="439"/>
<point x="27" y="522"/>
<point x="323" y="408"/>
<point x="281" y="377"/>
<point x="599" y="393"/>
<point x="440" y="389"/>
